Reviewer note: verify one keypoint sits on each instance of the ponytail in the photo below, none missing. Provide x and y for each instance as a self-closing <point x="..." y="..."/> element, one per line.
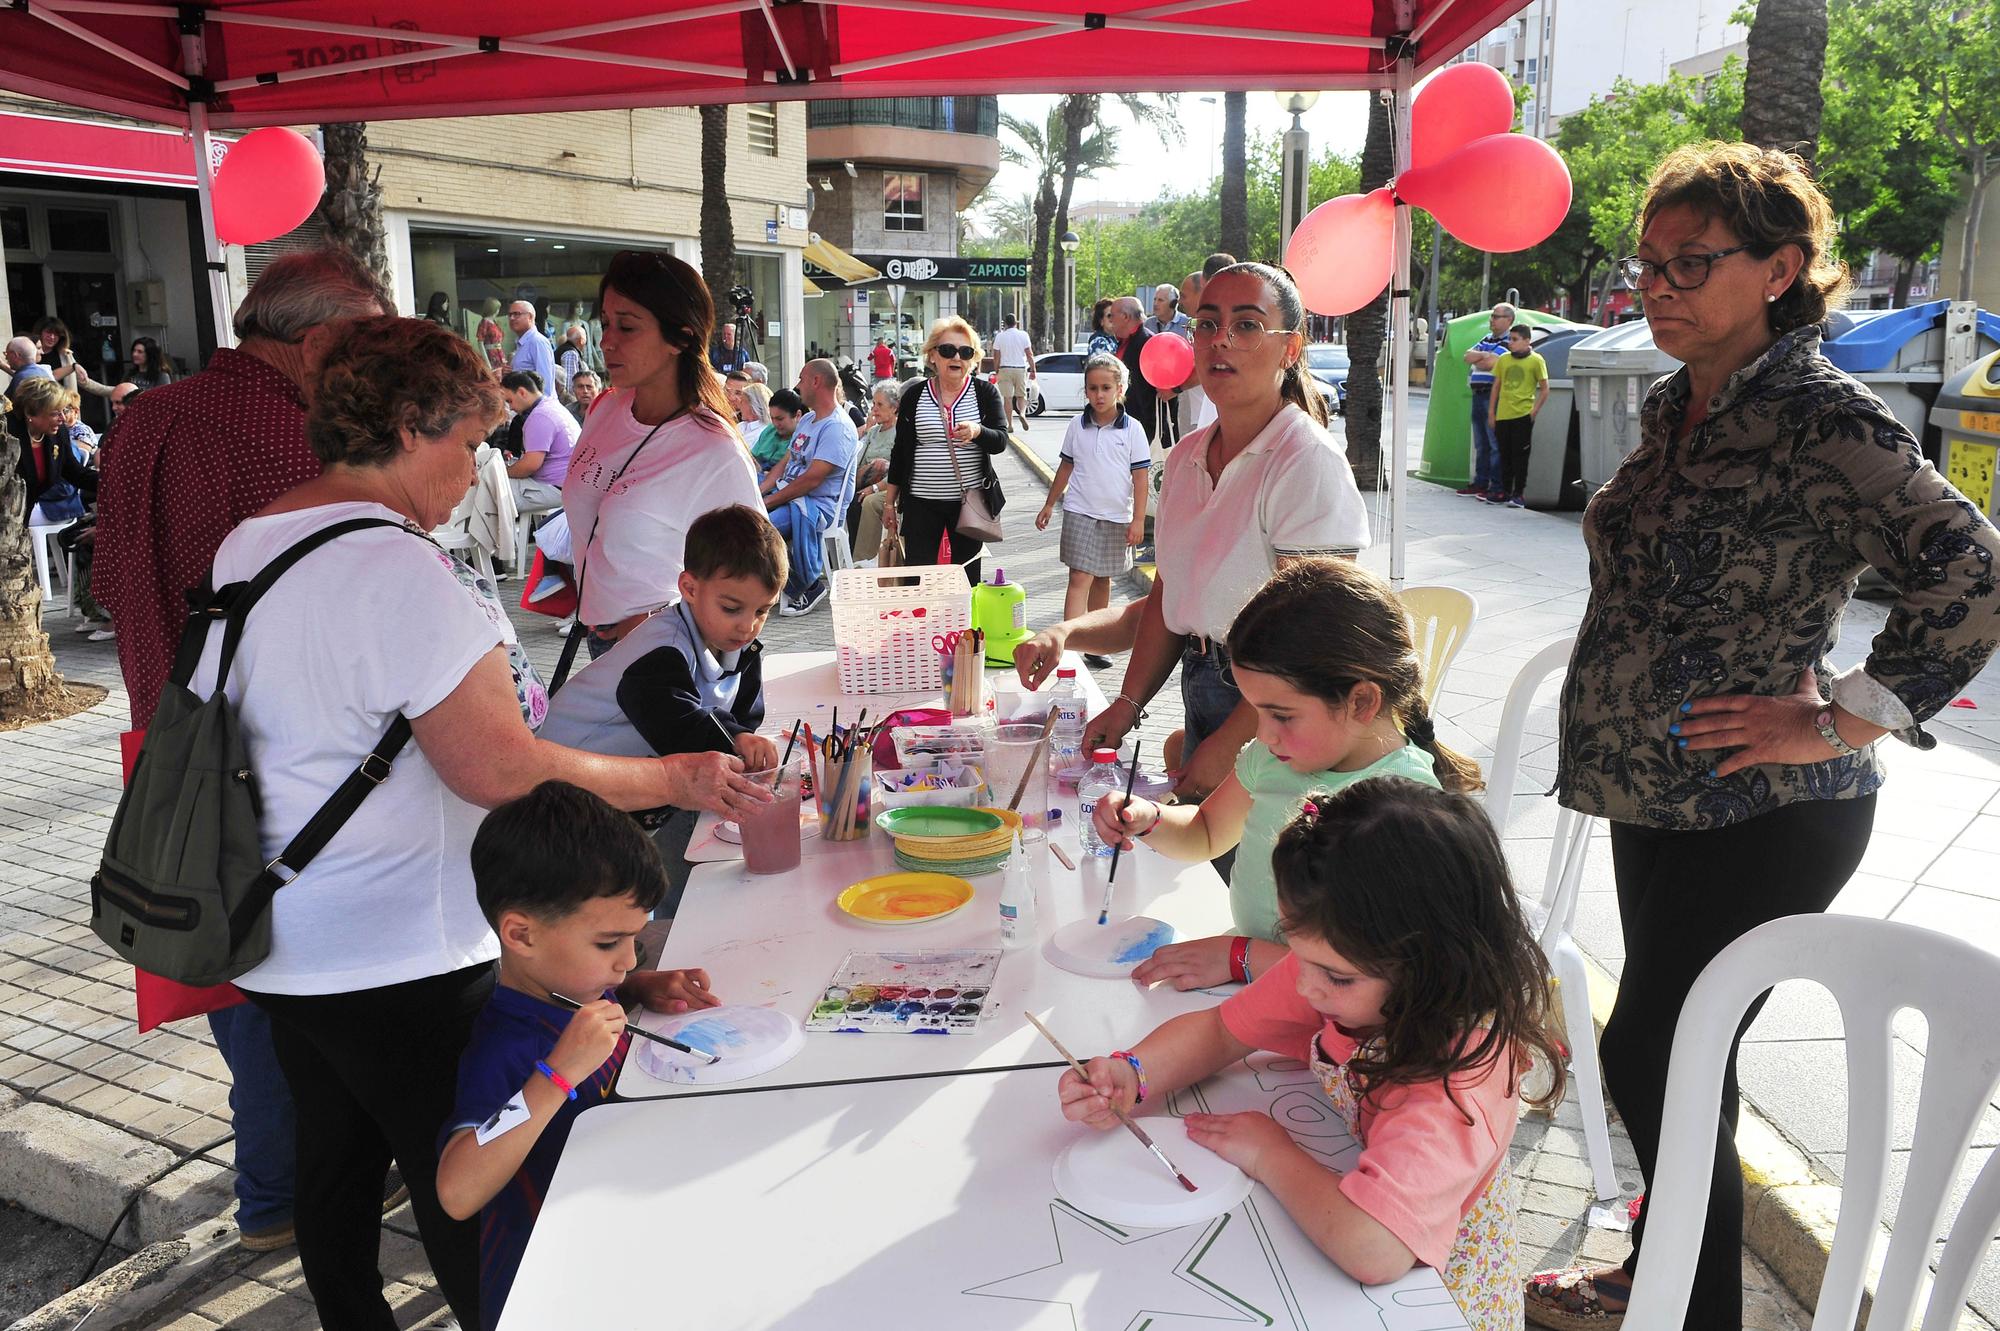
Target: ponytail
<point x="1299" y="389"/>
<point x="1454" y="771"/>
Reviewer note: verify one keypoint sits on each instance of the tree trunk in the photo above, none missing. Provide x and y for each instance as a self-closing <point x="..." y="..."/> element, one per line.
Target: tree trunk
<point x="1235" y="229"/>
<point x="1781" y="78"/>
<point x="29" y="684"/>
<point x="1367" y="326"/>
<point x="1038" y="259"/>
<point x="351" y="208"/>
<point x="718" y="230"/>
<point x="1906" y="270"/>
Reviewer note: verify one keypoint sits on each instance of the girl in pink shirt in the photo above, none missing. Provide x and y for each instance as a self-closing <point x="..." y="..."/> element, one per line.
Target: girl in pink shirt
<point x="1415" y="991"/>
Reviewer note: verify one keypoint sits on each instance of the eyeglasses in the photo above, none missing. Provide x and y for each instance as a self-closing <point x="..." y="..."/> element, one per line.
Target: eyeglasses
<point x="1684" y="272"/>
<point x="950" y="352"/>
<point x="1244" y="334"/>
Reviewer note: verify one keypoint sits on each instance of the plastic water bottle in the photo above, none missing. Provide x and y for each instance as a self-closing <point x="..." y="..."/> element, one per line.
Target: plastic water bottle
<point x="1017" y="900"/>
<point x="1102" y="779"/>
<point x="1066" y="740"/>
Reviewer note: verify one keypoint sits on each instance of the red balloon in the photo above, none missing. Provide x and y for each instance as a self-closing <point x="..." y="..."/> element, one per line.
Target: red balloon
<point x="1343" y="253"/>
<point x="1166" y="360"/>
<point x="1460" y="104"/>
<point x="1501" y="193"/>
<point x="268" y="183"/>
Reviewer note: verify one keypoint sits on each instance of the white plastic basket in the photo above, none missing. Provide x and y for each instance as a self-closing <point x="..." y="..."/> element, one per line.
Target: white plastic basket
<point x="884" y="620"/>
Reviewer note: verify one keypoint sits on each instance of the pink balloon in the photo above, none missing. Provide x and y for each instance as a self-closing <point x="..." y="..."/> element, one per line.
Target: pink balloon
<point x="270" y="181"/>
<point x="1343" y="253"/>
<point x="1462" y="103"/>
<point x="1166" y="360"/>
<point x="1501" y="193"/>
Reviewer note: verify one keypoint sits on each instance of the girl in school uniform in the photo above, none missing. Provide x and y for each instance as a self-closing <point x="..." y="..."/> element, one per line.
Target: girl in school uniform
<point x="1103" y="481"/>
<point x="1414" y="990"/>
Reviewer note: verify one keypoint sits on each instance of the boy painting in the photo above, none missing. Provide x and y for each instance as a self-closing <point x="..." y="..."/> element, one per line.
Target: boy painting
<point x="1520" y="387"/>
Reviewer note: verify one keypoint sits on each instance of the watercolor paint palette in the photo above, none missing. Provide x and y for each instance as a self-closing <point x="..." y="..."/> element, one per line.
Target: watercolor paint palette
<point x="910" y="993"/>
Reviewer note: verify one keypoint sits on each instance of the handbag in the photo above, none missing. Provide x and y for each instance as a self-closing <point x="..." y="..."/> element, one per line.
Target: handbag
<point x="977" y="517"/>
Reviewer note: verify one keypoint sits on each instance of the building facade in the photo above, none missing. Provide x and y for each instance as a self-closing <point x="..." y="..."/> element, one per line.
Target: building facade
<point x="891" y="179"/>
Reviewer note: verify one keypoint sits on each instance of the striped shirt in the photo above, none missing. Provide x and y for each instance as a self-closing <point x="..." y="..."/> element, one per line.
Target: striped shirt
<point x="931" y="475"/>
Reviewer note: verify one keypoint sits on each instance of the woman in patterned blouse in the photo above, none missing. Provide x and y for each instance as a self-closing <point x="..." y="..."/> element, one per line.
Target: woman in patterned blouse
<point x="1700" y="714"/>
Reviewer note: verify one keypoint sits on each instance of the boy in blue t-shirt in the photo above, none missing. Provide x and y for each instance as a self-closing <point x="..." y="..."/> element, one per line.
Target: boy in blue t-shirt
<point x="567" y="882"/>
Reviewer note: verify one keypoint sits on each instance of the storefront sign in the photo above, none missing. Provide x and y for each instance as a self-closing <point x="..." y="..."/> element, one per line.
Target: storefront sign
<point x="939" y="269"/>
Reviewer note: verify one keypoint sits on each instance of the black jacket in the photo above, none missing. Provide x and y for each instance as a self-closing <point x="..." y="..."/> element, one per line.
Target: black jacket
<point x="1141" y="398"/>
<point x="992" y="434"/>
<point x="60" y="462"/>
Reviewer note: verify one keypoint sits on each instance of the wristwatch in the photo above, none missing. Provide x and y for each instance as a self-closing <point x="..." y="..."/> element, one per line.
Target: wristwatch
<point x="1823" y="723"/>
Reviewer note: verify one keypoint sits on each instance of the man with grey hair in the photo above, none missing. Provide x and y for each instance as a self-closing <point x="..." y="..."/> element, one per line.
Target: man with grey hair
<point x="759" y="373"/>
<point x="1483" y="356"/>
<point x="532" y="350"/>
<point x="193" y="459"/>
<point x="24" y="362"/>
<point x="803" y="490"/>
<point x="1126" y="322"/>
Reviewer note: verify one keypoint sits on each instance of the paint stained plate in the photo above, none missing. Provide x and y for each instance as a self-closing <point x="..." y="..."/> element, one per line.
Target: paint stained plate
<point x="1109" y="951"/>
<point x="729" y="833"/>
<point x="751" y="1040"/>
<point x="1111" y="1176"/>
<point x="934" y="823"/>
<point x="905" y="898"/>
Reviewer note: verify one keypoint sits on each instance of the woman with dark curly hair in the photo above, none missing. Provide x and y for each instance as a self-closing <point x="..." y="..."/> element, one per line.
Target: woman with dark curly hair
<point x="380" y="957"/>
<point x="1700" y="716"/>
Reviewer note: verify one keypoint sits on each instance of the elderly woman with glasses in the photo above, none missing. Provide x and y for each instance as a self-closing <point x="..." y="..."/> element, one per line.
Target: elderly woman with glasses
<point x="947" y="428"/>
<point x="1700" y="715"/>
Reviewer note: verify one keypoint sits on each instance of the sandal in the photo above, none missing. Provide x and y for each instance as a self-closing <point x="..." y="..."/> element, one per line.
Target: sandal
<point x="1568" y="1300"/>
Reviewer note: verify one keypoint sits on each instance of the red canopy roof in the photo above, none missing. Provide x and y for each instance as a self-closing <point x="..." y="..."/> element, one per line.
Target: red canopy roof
<point x="300" y="61"/>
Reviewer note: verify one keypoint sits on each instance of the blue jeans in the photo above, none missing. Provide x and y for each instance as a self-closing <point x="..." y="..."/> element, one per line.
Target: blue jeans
<point x="1208" y="696"/>
<point x="1486" y="474"/>
<point x="800" y="522"/>
<point x="260" y="1109"/>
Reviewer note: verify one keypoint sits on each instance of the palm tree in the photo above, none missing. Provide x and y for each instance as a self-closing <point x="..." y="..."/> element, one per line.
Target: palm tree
<point x="1367" y="326"/>
<point x="1012" y="219"/>
<point x="29" y="684"/>
<point x="1042" y="149"/>
<point x="718" y="231"/>
<point x="1781" y="79"/>
<point x="1085" y="156"/>
<point x="351" y="208"/>
<point x="1234" y="237"/>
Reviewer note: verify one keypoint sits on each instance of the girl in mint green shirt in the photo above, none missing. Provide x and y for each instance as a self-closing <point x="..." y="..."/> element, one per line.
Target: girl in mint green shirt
<point x="1323" y="652"/>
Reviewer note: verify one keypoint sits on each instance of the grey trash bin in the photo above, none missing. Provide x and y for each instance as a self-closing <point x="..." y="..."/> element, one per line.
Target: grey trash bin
<point x="1554" y="462"/>
<point x="1611" y="370"/>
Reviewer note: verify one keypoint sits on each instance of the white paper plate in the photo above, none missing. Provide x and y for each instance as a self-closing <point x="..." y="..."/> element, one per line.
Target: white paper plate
<point x="751" y="1040"/>
<point x="1111" y="1176"/>
<point x="1109" y="951"/>
<point x="729" y="833"/>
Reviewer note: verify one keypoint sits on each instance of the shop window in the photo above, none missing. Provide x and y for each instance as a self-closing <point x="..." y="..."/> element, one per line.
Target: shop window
<point x="902" y="202"/>
<point x="80" y="230"/>
<point x="13" y="226"/>
<point x="763" y="123"/>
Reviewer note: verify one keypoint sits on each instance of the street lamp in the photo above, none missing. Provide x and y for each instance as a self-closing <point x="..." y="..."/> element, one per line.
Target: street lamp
<point x="1070" y="240"/>
<point x="1297" y="164"/>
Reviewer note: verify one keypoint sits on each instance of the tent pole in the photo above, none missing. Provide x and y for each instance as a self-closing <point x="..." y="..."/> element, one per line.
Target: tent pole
<point x="1399" y="322"/>
<point x="194" y="58"/>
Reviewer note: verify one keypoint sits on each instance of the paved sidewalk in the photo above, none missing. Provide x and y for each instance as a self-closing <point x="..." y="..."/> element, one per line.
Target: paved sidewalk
<point x="89" y="1109"/>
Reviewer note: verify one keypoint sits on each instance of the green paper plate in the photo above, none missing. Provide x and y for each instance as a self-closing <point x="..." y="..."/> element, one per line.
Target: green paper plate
<point x="937" y="824"/>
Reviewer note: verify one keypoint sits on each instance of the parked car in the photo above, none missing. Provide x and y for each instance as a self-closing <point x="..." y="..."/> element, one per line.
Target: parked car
<point x="1328" y="363"/>
<point x="1058" y="382"/>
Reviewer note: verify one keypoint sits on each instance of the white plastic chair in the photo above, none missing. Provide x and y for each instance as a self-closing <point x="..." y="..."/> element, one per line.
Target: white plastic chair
<point x="456" y="537"/>
<point x="43" y="539"/>
<point x="835" y="550"/>
<point x="1440" y="619"/>
<point x="1874" y="968"/>
<point x="1554" y="915"/>
<point x="524" y="531"/>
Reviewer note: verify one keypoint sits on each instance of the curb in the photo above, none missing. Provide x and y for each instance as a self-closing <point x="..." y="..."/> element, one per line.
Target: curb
<point x="76" y="1170"/>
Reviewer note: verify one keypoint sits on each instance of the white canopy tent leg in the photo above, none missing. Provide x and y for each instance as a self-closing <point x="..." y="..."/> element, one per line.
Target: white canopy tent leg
<point x="1399" y="322"/>
<point x="194" y="59"/>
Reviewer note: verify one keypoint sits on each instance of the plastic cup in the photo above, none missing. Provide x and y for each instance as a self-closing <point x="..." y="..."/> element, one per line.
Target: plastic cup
<point x="1010" y="754"/>
<point x="771" y="834"/>
<point x="846" y="804"/>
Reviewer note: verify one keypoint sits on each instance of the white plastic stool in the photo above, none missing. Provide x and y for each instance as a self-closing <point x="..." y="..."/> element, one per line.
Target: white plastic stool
<point x="43" y="539"/>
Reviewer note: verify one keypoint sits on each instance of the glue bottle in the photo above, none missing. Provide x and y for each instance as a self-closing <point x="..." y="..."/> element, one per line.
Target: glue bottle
<point x="1017" y="900"/>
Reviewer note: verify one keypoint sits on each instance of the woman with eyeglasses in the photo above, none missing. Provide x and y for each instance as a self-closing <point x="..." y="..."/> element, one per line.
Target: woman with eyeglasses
<point x="1700" y="714"/>
<point x="947" y="428"/>
<point x="1263" y="484"/>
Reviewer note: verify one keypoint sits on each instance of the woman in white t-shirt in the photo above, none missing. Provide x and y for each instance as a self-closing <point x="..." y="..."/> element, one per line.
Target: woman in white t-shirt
<point x="1263" y="484"/>
<point x="380" y="958"/>
<point x="657" y="452"/>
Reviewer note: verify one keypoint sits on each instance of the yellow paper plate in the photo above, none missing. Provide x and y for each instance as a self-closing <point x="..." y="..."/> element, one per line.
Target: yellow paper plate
<point x="905" y="898"/>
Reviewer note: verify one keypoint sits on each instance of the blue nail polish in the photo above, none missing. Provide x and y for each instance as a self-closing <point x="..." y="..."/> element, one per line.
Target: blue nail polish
<point x="1682" y="743"/>
<point x="1688" y="706"/>
<point x="1711" y="774"/>
<point x="1674" y="729"/>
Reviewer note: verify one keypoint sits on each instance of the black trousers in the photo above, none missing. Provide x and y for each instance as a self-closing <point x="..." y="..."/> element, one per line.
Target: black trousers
<point x="925" y="522"/>
<point x="374" y="1074"/>
<point x="1682" y="898"/>
<point x="1514" y="436"/>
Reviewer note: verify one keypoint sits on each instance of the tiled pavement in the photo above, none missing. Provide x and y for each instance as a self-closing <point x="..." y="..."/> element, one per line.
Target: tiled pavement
<point x="66" y="1038"/>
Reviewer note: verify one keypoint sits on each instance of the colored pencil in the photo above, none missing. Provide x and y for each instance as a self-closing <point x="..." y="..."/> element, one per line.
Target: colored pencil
<point x="1131" y="775"/>
<point x="1132" y="1127"/>
<point x="645" y="1034"/>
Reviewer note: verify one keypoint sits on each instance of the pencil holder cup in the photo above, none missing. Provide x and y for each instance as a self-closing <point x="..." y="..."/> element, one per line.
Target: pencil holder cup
<point x="846" y="797"/>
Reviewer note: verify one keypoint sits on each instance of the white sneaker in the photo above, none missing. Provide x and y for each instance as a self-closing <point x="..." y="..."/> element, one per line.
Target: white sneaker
<point x="105" y="634"/>
<point x="86" y="626"/>
<point x="564" y="628"/>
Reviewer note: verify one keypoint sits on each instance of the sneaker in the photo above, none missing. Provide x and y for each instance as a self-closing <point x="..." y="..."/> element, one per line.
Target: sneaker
<point x="807" y="601"/>
<point x="1514" y="501"/>
<point x="547" y="587"/>
<point x="564" y="628"/>
<point x="1096" y="662"/>
<point x="1466" y="490"/>
<point x="104" y="634"/>
<point x="86" y="626"/>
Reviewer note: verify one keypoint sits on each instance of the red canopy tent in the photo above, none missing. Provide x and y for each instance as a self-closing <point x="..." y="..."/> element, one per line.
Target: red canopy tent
<point x="229" y="64"/>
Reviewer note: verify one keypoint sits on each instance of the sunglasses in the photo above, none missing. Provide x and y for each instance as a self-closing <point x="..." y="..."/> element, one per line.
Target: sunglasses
<point x="951" y="352"/>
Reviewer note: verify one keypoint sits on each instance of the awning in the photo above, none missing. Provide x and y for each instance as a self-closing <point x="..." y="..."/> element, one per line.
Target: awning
<point x="291" y="62"/>
<point x="91" y="150"/>
<point x="812" y="288"/>
<point x="837" y="261"/>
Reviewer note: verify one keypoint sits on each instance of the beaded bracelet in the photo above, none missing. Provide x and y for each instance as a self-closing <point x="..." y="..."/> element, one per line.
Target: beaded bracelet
<point x="542" y="1066"/>
<point x="1138" y="1069"/>
<point x="1239" y="959"/>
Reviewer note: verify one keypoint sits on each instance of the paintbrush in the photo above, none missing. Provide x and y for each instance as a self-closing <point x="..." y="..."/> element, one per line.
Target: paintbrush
<point x="645" y="1034"/>
<point x="1131" y="774"/>
<point x="1041" y="746"/>
<point x="790" y="744"/>
<point x="1134" y="1128"/>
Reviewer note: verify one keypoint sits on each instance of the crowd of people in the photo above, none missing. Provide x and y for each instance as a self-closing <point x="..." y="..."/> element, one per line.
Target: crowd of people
<point x="1373" y="921"/>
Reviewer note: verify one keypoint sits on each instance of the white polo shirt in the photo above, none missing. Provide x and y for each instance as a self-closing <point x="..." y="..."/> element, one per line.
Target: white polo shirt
<point x="1290" y="492"/>
<point x="1103" y="459"/>
<point x="1010" y="349"/>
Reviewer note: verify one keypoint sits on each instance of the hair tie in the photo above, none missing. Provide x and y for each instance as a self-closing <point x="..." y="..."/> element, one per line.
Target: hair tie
<point x="1309" y="809"/>
<point x="1420" y="732"/>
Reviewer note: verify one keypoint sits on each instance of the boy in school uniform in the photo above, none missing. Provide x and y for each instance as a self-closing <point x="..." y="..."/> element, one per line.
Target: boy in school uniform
<point x="567" y="883"/>
<point x="1521" y="386"/>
